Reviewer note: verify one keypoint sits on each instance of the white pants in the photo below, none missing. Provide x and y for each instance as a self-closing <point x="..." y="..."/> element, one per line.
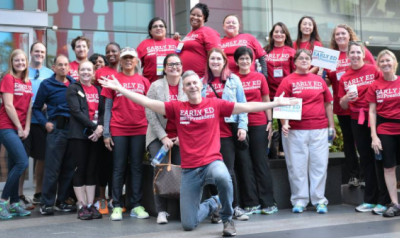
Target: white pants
<point x="306" y="153"/>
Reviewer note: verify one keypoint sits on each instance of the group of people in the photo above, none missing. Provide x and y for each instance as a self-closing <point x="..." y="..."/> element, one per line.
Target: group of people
<point x="206" y="100"/>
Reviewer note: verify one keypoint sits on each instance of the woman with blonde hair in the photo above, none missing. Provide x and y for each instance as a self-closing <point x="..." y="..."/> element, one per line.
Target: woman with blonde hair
<point x="15" y="121"/>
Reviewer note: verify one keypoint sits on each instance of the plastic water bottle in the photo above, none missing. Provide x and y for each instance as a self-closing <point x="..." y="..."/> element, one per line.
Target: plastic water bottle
<point x="378" y="156"/>
<point x="330" y="136"/>
<point x="258" y="65"/>
<point x="159" y="156"/>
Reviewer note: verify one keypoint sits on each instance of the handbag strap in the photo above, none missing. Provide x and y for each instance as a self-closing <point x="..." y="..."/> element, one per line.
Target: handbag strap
<point x="169" y="160"/>
<point x="215" y="92"/>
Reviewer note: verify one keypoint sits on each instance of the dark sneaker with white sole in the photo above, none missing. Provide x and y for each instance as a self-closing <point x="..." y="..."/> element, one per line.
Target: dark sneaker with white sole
<point x="392" y="211"/>
<point x="46" y="210"/>
<point x="229" y="229"/>
<point x="215" y="218"/>
<point x="63" y="207"/>
<point x="95" y="213"/>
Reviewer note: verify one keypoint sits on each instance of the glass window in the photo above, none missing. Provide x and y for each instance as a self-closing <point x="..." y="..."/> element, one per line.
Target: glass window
<point x="26" y="5"/>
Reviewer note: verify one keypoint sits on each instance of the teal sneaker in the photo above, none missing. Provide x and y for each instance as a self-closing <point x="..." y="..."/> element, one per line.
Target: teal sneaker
<point x="17" y="210"/>
<point x="139" y="212"/>
<point x="322" y="209"/>
<point x="365" y="207"/>
<point x="4" y="214"/>
<point x="379" y="209"/>
<point x="252" y="210"/>
<point x="298" y="209"/>
<point x="269" y="210"/>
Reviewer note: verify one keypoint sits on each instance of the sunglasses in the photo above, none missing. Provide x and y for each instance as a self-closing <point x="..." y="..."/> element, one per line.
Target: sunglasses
<point x="158" y="26"/>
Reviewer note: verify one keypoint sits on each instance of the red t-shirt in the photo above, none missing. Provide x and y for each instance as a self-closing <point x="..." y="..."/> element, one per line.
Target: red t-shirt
<point x="255" y="87"/>
<point x="281" y="60"/>
<point x="314" y="92"/>
<point x="224" y="127"/>
<point x="198" y="129"/>
<point x="22" y="94"/>
<point x="104" y="72"/>
<point x="128" y="118"/>
<point x="229" y="45"/>
<point x="92" y="98"/>
<point x="73" y="70"/>
<point x="386" y="95"/>
<point x="148" y="51"/>
<point x="196" y="45"/>
<point x="306" y="45"/>
<point x="342" y="67"/>
<point x="361" y="77"/>
<point x="171" y="127"/>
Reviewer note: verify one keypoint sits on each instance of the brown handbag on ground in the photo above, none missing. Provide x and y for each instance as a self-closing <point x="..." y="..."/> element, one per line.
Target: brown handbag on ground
<point x="167" y="179"/>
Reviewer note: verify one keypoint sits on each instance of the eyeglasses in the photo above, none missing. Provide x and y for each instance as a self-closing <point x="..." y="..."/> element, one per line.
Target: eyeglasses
<point x="37" y="75"/>
<point x="158" y="26"/>
<point x="177" y="64"/>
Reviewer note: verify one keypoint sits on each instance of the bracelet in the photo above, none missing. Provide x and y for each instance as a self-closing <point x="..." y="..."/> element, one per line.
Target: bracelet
<point x="269" y="121"/>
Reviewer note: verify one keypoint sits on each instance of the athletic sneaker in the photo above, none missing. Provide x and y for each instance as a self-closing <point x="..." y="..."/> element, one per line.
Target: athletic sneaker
<point x="84" y="213"/>
<point x="17" y="210"/>
<point x="36" y="198"/>
<point x="4" y="214"/>
<point x="229" y="229"/>
<point x="298" y="209"/>
<point x="379" y="209"/>
<point x="215" y="218"/>
<point x="269" y="210"/>
<point x="117" y="214"/>
<point x="46" y="210"/>
<point x="64" y="207"/>
<point x="103" y="206"/>
<point x="252" y="210"/>
<point x="238" y="214"/>
<point x="362" y="183"/>
<point x="26" y="203"/>
<point x="365" y="207"/>
<point x="95" y="213"/>
<point x="392" y="211"/>
<point x="353" y="182"/>
<point x="162" y="218"/>
<point x="139" y="212"/>
<point x="322" y="209"/>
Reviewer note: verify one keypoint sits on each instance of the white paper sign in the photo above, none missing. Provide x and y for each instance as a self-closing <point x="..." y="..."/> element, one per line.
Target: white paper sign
<point x="325" y="58"/>
<point x="289" y="112"/>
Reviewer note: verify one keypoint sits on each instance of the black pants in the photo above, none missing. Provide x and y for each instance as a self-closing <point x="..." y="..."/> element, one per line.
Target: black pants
<point x="104" y="175"/>
<point x="353" y="167"/>
<point x="254" y="168"/>
<point x="375" y="190"/>
<point x="228" y="154"/>
<point x="124" y="147"/>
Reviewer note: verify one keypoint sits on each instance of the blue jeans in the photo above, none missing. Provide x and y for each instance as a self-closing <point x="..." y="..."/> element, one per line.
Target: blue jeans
<point x="17" y="163"/>
<point x="58" y="167"/>
<point x="192" y="183"/>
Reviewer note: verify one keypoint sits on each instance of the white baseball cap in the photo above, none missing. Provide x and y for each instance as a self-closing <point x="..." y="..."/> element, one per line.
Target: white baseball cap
<point x="128" y="51"/>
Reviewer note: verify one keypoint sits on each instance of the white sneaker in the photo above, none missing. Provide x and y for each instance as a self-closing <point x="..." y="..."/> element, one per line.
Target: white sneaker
<point x="239" y="214"/>
<point x="162" y="218"/>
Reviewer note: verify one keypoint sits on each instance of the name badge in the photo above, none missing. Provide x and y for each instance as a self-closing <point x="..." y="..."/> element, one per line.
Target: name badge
<point x="179" y="48"/>
<point x="339" y="75"/>
<point x="278" y="73"/>
<point x="81" y="94"/>
<point x="160" y="65"/>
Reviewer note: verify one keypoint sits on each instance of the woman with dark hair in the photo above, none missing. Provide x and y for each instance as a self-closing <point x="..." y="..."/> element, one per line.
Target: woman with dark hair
<point x="219" y="82"/>
<point x="254" y="167"/>
<point x="233" y="40"/>
<point x="305" y="141"/>
<point x="307" y="36"/>
<point x="98" y="60"/>
<point x="353" y="87"/>
<point x="86" y="127"/>
<point x="152" y="51"/>
<point x="161" y="131"/>
<point x="194" y="47"/>
<point x="384" y="118"/>
<point x="279" y="60"/>
<point x="113" y="51"/>
<point x="15" y="122"/>
<point x="342" y="35"/>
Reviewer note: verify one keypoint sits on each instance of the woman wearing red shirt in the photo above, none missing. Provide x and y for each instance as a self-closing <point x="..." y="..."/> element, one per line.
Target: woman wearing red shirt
<point x="15" y="122"/>
<point x="233" y="40"/>
<point x="113" y="51"/>
<point x="305" y="141"/>
<point x="279" y="61"/>
<point x="152" y="51"/>
<point x="128" y="126"/>
<point x="307" y="37"/>
<point x="384" y="116"/>
<point x="254" y="160"/>
<point x="341" y="36"/>
<point x="359" y="76"/>
<point x="198" y="42"/>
